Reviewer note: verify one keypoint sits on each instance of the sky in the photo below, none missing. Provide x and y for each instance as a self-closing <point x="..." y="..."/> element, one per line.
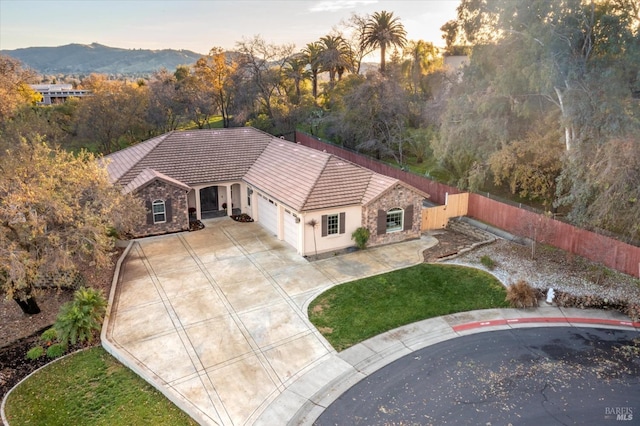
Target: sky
<point x="201" y="25"/>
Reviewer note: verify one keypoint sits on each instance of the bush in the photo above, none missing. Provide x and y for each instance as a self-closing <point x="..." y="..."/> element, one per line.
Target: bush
<point x="522" y="295"/>
<point x="361" y="237"/>
<point x="35" y="353"/>
<point x="81" y="318"/>
<point x="630" y="309"/>
<point x="49" y="336"/>
<point x="56" y="350"/>
<point x="488" y="262"/>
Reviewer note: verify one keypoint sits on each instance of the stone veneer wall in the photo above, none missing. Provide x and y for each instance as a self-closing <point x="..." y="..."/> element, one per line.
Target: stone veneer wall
<point x="399" y="196"/>
<point x="179" y="219"/>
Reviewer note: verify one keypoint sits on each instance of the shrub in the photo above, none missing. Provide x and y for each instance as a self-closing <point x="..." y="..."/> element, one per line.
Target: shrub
<point x="361" y="237"/>
<point x="35" y="353"/>
<point x="488" y="262"/>
<point x="81" y="318"/>
<point x="522" y="295"/>
<point x="49" y="336"/>
<point x="630" y="309"/>
<point x="56" y="350"/>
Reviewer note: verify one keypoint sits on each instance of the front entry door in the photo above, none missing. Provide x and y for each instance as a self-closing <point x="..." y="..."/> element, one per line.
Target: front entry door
<point x="209" y="199"/>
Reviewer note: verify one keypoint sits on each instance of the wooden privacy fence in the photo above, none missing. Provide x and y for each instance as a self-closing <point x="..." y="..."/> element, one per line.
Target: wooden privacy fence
<point x="596" y="247"/>
<point x="437" y="217"/>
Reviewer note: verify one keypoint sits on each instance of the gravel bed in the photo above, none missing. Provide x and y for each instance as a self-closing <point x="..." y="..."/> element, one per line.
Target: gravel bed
<point x="552" y="268"/>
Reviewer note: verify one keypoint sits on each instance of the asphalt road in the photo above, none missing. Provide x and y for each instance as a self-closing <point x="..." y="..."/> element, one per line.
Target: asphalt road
<point x="527" y="376"/>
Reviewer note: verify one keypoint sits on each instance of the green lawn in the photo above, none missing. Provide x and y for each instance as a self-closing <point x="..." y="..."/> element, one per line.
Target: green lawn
<point x="214" y="122"/>
<point x="90" y="388"/>
<point x="350" y="313"/>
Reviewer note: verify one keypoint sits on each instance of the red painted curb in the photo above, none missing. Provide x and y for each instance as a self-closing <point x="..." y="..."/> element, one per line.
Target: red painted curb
<point x="497" y="322"/>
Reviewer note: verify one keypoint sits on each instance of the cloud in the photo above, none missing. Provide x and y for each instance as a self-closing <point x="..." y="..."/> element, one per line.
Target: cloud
<point x="334" y="6"/>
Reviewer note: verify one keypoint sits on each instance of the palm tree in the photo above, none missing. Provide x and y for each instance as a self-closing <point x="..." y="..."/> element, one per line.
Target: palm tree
<point x="312" y="54"/>
<point x="382" y="30"/>
<point x="335" y="56"/>
<point x="296" y="70"/>
<point x="421" y="59"/>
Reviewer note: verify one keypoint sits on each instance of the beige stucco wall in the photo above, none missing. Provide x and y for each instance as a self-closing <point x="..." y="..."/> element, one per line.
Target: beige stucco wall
<point x="353" y="218"/>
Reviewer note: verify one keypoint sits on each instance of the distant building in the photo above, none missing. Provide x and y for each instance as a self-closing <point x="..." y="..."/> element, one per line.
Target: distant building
<point x="57" y="93"/>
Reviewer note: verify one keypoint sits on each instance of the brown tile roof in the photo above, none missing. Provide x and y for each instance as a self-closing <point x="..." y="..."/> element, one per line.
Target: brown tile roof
<point x="343" y="183"/>
<point x="300" y="177"/>
<point x="149" y="175"/>
<point x="287" y="172"/>
<point x="192" y="157"/>
<point x="120" y="162"/>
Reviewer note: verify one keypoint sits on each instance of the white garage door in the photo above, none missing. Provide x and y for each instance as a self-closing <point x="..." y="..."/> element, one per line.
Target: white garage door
<point x="268" y="214"/>
<point x="291" y="228"/>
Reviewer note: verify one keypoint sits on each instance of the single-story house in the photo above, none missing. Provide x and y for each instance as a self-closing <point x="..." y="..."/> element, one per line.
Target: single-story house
<point x="284" y="186"/>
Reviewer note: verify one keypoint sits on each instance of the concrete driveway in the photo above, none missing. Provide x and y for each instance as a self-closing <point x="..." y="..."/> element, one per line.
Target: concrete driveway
<point x="217" y="319"/>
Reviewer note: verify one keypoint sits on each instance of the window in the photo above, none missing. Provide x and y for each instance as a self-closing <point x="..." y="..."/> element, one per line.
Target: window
<point x="159" y="212"/>
<point x="333" y="224"/>
<point x="394" y="220"/>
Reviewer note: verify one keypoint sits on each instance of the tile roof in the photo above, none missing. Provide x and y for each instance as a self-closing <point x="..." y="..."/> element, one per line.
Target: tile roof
<point x="192" y="157"/>
<point x="342" y="183"/>
<point x="287" y="172"/>
<point x="300" y="177"/>
<point x="120" y="162"/>
<point x="149" y="175"/>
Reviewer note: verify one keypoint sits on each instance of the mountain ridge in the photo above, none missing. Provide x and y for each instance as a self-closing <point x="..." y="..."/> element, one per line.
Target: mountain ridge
<point x="76" y="58"/>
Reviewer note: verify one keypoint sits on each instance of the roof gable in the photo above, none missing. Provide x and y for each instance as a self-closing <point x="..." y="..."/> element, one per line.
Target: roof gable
<point x="147" y="176"/>
<point x="341" y="183"/>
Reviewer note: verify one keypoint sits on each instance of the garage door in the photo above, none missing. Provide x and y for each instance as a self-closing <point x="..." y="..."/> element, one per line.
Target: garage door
<point x="291" y="228"/>
<point x="268" y="214"/>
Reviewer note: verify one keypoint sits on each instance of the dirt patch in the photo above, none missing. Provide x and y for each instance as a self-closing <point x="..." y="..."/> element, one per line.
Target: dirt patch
<point x="320" y="307"/>
<point x="17" y="325"/>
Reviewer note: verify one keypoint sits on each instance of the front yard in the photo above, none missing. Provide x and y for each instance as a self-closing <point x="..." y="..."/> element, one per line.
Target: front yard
<point x="350" y="313"/>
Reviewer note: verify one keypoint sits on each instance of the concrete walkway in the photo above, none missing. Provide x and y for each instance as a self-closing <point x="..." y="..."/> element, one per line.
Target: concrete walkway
<point x="217" y="319"/>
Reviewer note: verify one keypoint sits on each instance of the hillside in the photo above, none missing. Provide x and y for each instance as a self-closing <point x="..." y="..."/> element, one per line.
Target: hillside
<point x="95" y="58"/>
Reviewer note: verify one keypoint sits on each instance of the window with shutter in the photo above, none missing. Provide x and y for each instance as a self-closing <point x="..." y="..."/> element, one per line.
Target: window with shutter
<point x="159" y="211"/>
<point x="333" y="224"/>
<point x="395" y="220"/>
